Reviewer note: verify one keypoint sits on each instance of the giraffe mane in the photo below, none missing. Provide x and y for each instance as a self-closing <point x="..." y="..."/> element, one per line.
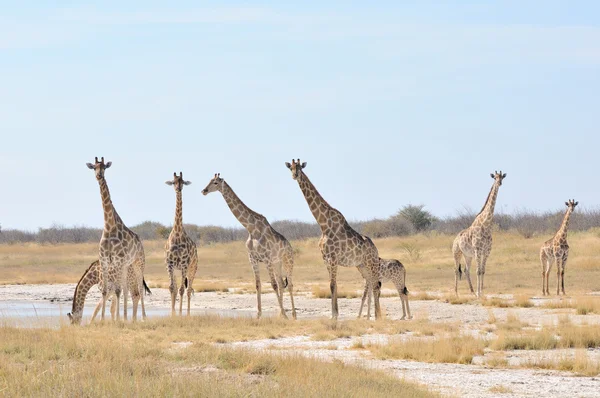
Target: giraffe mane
<point x="80" y="279"/>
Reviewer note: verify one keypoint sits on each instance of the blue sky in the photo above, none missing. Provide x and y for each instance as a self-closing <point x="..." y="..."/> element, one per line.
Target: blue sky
<point x="411" y="102"/>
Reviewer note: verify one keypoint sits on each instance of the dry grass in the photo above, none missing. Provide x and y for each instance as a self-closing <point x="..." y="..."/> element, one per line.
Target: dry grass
<point x="445" y="349"/>
<point x="581" y="364"/>
<point x="325" y="293"/>
<point x="583" y="305"/>
<point x="142" y="360"/>
<point x="513" y="266"/>
<point x="500" y="389"/>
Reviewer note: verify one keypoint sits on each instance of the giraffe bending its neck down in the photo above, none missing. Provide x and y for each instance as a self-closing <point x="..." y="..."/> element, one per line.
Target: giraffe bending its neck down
<point x="120" y="248"/>
<point x="180" y="251"/>
<point x="92" y="277"/>
<point x="340" y="244"/>
<point x="264" y="244"/>
<point x="389" y="270"/>
<point x="476" y="241"/>
<point x="556" y="250"/>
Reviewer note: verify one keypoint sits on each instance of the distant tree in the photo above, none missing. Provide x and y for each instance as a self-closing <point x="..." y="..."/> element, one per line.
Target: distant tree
<point x="420" y="219"/>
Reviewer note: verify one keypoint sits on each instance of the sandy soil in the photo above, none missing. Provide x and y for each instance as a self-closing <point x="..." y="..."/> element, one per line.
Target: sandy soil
<point x="474" y="380"/>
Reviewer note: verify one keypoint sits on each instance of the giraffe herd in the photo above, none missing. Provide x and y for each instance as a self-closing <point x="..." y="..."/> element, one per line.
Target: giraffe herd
<point x="120" y="267"/>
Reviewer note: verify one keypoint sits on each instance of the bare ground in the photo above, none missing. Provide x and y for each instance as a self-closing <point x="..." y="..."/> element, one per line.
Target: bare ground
<point x="475" y="380"/>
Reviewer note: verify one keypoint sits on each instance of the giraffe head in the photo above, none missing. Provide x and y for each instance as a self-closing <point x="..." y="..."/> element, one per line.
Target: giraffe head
<point x="99" y="167"/>
<point x="571" y="204"/>
<point x="498" y="177"/>
<point x="178" y="182"/>
<point x="75" y="317"/>
<point x="215" y="184"/>
<point x="296" y="168"/>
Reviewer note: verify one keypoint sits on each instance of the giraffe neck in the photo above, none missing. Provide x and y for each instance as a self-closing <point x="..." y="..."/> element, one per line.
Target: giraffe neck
<point x="246" y="216"/>
<point x="318" y="206"/>
<point x="111" y="218"/>
<point x="562" y="231"/>
<point x="178" y="224"/>
<point x="90" y="278"/>
<point x="486" y="215"/>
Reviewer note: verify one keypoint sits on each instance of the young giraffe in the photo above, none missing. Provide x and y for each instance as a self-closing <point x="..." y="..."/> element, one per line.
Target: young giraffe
<point x="389" y="270"/>
<point x="556" y="250"/>
<point x="264" y="244"/>
<point x="476" y="241"/>
<point x="120" y="248"/>
<point x="340" y="244"/>
<point x="92" y="277"/>
<point x="180" y="251"/>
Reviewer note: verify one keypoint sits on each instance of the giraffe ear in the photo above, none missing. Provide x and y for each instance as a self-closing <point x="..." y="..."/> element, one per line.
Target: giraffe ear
<point x="576" y="203"/>
<point x="187" y="182"/>
<point x="90" y="166"/>
<point x="107" y="165"/>
<point x="566" y="203"/>
<point x="287" y="164"/>
<point x="169" y="182"/>
<point x="304" y="165"/>
<point x="504" y="175"/>
<point x="492" y="175"/>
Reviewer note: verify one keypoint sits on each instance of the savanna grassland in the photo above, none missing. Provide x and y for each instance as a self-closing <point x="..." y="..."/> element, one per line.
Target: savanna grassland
<point x="513" y="266"/>
<point x="455" y="345"/>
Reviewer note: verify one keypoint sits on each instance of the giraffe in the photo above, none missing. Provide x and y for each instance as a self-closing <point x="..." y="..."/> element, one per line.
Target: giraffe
<point x="389" y="270"/>
<point x="340" y="244"/>
<point x="92" y="277"/>
<point x="476" y="241"/>
<point x="180" y="251"/>
<point x="264" y="245"/>
<point x="556" y="250"/>
<point x="120" y="248"/>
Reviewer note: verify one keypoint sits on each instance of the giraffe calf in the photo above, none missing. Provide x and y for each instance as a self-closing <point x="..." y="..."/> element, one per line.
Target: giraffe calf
<point x="389" y="270"/>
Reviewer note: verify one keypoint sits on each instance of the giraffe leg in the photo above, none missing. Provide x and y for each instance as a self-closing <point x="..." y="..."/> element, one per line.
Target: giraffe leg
<point x="369" y="299"/>
<point x="277" y="284"/>
<point x="258" y="287"/>
<point x="291" y="290"/>
<point x="118" y="300"/>
<point x="182" y="289"/>
<point x="558" y="267"/>
<point x="468" y="261"/>
<point x="125" y="284"/>
<point x="190" y="278"/>
<point x="543" y="261"/>
<point x="172" y="286"/>
<point x="288" y="267"/>
<point x="362" y="302"/>
<point x="457" y="268"/>
<point x="400" y="289"/>
<point x="96" y="310"/>
<point x="333" y="286"/>
<point x="113" y="306"/>
<point x="562" y="273"/>
<point x="376" y="295"/>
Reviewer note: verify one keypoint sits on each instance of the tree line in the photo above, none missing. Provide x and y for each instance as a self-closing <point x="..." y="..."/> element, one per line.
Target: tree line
<point x="411" y="219"/>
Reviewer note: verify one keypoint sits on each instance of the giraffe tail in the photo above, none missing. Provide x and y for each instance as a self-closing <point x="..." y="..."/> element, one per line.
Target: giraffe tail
<point x="186" y="282"/>
<point x="460" y="271"/>
<point x="405" y="290"/>
<point x="285" y="282"/>
<point x="146" y="288"/>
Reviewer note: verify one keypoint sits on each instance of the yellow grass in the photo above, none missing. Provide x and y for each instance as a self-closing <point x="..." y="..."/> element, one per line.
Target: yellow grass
<point x="145" y="360"/>
<point x="581" y="364"/>
<point x="513" y="266"/>
<point x="445" y="349"/>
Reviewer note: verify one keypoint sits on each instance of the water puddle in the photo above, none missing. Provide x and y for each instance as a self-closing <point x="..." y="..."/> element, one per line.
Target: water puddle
<point x="32" y="314"/>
